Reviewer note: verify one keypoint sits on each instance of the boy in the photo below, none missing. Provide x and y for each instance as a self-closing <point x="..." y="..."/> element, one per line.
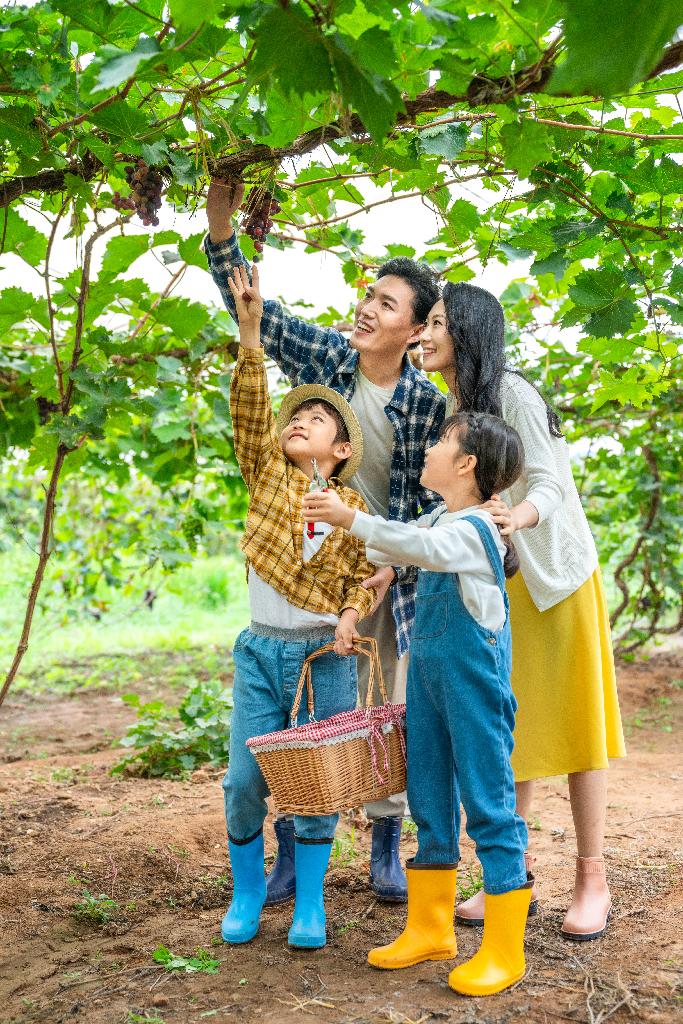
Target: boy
<point x="304" y="590"/>
<point x="400" y="413"/>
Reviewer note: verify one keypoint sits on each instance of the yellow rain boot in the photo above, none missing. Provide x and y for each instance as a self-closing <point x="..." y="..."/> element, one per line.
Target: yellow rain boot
<point x="428" y="934"/>
<point x="499" y="961"/>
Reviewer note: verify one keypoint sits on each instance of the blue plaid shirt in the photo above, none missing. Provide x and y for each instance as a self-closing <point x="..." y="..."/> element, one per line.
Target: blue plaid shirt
<point x="308" y="354"/>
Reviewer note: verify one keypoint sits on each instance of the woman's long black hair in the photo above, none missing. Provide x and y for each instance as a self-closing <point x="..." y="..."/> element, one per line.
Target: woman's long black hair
<point x="475" y="322"/>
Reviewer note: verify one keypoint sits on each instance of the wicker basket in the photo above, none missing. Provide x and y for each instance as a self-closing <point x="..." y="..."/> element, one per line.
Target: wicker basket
<point x="341" y="762"/>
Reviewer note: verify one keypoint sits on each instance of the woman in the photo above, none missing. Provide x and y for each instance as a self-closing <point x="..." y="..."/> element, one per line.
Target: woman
<point x="568" y="719"/>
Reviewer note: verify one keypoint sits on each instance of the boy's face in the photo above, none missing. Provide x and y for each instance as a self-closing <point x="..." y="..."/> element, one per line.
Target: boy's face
<point x="444" y="463"/>
<point x="385" y="319"/>
<point x="310" y="434"/>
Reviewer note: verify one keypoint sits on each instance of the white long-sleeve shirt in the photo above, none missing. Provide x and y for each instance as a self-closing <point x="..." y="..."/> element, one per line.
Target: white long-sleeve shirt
<point x="557" y="555"/>
<point x="442" y="542"/>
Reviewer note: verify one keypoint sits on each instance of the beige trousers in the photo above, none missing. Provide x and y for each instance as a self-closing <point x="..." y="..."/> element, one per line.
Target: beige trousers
<point x="395" y="670"/>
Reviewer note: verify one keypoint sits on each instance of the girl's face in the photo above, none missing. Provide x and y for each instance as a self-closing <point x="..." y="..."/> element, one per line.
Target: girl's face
<point x="437" y="345"/>
<point x="443" y="462"/>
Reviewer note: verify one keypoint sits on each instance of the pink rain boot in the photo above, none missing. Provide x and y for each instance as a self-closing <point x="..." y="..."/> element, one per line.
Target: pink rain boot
<point x="590" y="908"/>
<point x="471" y="911"/>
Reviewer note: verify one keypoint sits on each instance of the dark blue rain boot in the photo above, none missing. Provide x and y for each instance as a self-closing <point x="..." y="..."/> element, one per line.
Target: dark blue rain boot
<point x="310" y="864"/>
<point x="241" y="921"/>
<point x="281" y="882"/>
<point x="387" y="877"/>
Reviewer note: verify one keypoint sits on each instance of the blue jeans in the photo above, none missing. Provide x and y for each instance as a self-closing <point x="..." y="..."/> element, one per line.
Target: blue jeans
<point x="266" y="673"/>
<point x="460" y="720"/>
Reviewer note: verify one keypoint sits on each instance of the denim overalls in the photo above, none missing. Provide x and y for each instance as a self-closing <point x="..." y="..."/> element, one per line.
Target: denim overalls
<point x="460" y="718"/>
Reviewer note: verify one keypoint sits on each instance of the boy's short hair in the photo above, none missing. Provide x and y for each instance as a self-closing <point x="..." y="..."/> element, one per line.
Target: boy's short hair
<point x="342" y="434"/>
<point x="421" y="279"/>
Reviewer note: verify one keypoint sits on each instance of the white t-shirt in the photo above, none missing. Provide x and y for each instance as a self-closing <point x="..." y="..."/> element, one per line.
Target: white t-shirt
<point x="270" y="608"/>
<point x="450" y="546"/>
<point x="373" y="478"/>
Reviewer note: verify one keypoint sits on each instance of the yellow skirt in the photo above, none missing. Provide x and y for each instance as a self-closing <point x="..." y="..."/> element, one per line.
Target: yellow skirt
<point x="563" y="677"/>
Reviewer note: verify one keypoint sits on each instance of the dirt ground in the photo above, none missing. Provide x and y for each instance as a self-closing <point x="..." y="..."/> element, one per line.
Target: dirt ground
<point x="157" y="848"/>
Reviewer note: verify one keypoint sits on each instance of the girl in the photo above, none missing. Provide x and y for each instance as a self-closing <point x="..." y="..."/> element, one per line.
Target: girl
<point x="460" y="706"/>
<point x="563" y="669"/>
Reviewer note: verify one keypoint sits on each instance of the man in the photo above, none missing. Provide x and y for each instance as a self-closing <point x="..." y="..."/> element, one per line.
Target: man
<point x="400" y="413"/>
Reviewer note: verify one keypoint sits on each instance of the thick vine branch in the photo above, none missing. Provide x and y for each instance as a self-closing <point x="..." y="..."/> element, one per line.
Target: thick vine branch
<point x="63" y="450"/>
<point x="43" y="556"/>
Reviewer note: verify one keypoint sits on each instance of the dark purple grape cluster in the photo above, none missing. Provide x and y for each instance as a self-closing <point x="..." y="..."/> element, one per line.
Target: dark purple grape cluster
<point x="260" y="210"/>
<point x="146" y="186"/>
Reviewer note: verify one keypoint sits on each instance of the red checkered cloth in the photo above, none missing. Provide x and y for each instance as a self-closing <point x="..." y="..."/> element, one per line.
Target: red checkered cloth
<point x="371" y="723"/>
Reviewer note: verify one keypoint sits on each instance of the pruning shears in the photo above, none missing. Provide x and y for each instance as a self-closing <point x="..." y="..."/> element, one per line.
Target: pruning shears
<point x="318" y="483"/>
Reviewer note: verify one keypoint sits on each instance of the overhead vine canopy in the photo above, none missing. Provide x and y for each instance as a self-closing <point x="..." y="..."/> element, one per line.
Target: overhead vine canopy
<point x="564" y="114"/>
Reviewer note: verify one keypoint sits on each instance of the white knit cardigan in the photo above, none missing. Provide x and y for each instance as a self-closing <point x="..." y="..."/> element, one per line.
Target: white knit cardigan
<point x="557" y="555"/>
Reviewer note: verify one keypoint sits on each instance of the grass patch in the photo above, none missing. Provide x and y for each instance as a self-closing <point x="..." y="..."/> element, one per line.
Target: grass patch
<point x="203" y="605"/>
<point x="95" y="909"/>
<point x="344" y="849"/>
<point x="202" y="962"/>
<point x="470" y="881"/>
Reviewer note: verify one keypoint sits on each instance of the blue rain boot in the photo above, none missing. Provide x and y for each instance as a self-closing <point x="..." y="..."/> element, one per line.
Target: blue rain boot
<point x="281" y="882"/>
<point x="241" y="921"/>
<point x="387" y="877"/>
<point x="310" y="864"/>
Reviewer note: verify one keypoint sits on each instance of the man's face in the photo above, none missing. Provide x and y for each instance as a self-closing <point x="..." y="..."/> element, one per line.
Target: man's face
<point x="310" y="434"/>
<point x="385" y="321"/>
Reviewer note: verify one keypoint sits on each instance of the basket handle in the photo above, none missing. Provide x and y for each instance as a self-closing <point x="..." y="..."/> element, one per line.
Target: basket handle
<point x="376" y="675"/>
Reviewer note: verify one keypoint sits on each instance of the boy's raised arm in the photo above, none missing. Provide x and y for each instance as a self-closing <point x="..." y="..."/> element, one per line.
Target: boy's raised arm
<point x="253" y="421"/>
<point x="291" y="342"/>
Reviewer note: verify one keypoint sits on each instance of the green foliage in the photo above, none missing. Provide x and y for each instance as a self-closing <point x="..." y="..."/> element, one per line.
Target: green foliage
<point x="344" y="849"/>
<point x="470" y="881"/>
<point x="201" y="963"/>
<point x="204" y="736"/>
<point x="637" y="31"/>
<point x="545" y="105"/>
<point x="95" y="909"/>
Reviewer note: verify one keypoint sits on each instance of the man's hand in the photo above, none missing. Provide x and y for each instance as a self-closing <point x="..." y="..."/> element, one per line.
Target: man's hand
<point x="249" y="304"/>
<point x="327" y="507"/>
<point x="380" y="582"/>
<point x="346" y="633"/>
<point x="223" y="200"/>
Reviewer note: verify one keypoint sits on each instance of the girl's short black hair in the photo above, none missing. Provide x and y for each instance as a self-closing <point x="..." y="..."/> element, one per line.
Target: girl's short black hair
<point x="420" y="278"/>
<point x="500" y="459"/>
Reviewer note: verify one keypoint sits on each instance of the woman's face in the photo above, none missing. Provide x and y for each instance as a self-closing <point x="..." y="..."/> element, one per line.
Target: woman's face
<point x="437" y="345"/>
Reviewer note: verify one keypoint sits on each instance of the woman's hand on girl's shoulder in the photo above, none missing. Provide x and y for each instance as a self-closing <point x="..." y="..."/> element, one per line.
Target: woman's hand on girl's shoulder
<point x="501" y="513"/>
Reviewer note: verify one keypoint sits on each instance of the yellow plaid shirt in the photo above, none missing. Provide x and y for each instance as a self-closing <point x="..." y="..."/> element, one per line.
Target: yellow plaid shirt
<point x="273" y="539"/>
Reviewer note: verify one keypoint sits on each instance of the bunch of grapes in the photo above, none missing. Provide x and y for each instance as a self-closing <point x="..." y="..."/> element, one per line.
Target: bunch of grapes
<point x="146" y="186"/>
<point x="259" y="221"/>
<point x="192" y="527"/>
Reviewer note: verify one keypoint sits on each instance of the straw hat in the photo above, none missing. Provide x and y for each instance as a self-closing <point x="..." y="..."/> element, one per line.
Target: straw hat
<point x="297" y="396"/>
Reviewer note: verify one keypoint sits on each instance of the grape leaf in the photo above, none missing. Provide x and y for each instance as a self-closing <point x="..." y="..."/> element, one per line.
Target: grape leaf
<point x="612" y="45"/>
<point x="604" y="302"/>
<point x="290" y="49"/>
<point x="526" y="144"/>
<point x="443" y="140"/>
<point x="119" y="65"/>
